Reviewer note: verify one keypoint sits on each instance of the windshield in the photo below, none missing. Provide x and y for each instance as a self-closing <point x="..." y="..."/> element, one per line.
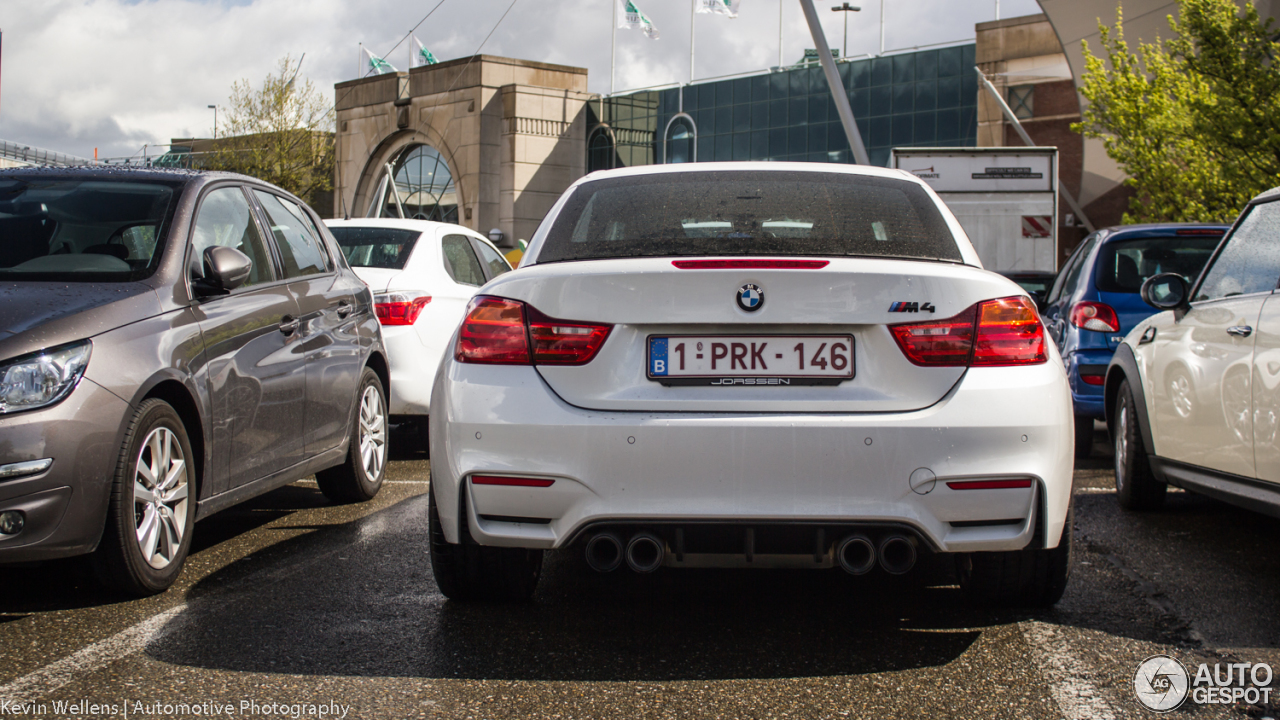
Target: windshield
<point x="82" y="230"/>
<point x="765" y="212"/>
<point x="1123" y="265"/>
<point x="375" y="247"/>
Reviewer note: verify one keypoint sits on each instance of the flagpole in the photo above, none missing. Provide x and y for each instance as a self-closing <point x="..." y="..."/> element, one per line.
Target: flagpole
<point x="780" y="32"/>
<point x="360" y="61"/>
<point x="613" y="43"/>
<point x="838" y="92"/>
<point x="881" y="27"/>
<point x="693" y="7"/>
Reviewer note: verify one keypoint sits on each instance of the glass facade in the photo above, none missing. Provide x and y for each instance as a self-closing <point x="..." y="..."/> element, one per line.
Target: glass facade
<point x="920" y="99"/>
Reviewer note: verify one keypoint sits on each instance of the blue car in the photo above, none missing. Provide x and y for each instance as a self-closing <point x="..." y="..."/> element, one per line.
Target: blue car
<point x="1094" y="301"/>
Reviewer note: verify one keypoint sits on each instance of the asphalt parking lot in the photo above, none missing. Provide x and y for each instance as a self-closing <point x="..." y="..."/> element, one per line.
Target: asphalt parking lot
<point x="292" y="606"/>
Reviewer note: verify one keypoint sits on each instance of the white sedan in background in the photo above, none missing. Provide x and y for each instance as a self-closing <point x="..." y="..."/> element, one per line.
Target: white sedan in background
<point x="422" y="274"/>
<point x="752" y="365"/>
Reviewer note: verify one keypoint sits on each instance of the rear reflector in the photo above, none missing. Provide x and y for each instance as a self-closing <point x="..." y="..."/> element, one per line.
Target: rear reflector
<point x="399" y="308"/>
<point x="509" y="332"/>
<point x="510" y="481"/>
<point x="1093" y="379"/>
<point x="999" y="332"/>
<point x="989" y="484"/>
<point x="750" y="264"/>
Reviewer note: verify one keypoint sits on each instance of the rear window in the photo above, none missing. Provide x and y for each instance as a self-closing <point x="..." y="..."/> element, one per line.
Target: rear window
<point x="375" y="246"/>
<point x="1123" y="265"/>
<point x="749" y="213"/>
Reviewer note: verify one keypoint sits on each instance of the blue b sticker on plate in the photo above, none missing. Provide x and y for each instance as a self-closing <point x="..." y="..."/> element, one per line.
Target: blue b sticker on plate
<point x="658" y="356"/>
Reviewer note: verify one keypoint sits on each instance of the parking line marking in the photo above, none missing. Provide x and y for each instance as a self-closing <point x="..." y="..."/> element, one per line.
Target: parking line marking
<point x="37" y="684"/>
<point x="34" y="685"/>
<point x="1069" y="677"/>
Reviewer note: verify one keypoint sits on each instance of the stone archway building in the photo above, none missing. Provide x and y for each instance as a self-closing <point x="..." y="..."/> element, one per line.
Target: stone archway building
<point x="511" y="132"/>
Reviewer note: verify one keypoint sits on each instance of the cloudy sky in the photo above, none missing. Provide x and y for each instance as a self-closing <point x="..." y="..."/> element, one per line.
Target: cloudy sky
<point x="76" y="75"/>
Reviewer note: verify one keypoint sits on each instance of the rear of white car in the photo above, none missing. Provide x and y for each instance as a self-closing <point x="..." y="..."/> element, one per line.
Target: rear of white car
<point x="422" y="274"/>
<point x="754" y="365"/>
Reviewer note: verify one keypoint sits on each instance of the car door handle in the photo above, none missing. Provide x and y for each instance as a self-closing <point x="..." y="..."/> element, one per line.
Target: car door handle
<point x="289" y="325"/>
<point x="1240" y="331"/>
<point x="344" y="308"/>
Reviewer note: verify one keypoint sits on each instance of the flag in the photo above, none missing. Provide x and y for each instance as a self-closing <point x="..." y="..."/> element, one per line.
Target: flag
<point x="719" y="7"/>
<point x="423" y="56"/>
<point x="631" y="17"/>
<point x="377" y="64"/>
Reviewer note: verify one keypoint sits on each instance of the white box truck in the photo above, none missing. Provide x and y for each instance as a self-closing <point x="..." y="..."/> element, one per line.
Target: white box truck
<point x="1006" y="199"/>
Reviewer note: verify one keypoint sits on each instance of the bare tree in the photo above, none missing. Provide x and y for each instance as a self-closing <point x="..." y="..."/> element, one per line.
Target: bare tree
<point x="281" y="132"/>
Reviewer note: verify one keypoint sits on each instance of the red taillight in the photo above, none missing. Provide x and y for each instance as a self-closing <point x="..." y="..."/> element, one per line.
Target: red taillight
<point x="497" y="330"/>
<point x="750" y="264"/>
<point x="989" y="484"/>
<point x="938" y="342"/>
<point x="399" y="308"/>
<point x="560" y="342"/>
<point x="1006" y="331"/>
<point x="1201" y="231"/>
<point x="510" y="481"/>
<point x="1009" y="333"/>
<point x="1094" y="316"/>
<point x="493" y="332"/>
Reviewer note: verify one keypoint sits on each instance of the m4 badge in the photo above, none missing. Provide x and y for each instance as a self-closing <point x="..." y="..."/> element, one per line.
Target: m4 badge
<point x="912" y="307"/>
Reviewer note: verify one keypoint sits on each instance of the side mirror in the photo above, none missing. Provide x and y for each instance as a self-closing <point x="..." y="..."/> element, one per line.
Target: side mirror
<point x="1166" y="291"/>
<point x="225" y="269"/>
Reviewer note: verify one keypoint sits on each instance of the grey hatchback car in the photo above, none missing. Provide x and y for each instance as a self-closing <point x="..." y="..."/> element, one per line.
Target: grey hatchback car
<point x="172" y="343"/>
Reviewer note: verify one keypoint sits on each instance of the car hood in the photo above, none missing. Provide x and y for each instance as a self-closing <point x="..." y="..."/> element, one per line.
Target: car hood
<point x="37" y="315"/>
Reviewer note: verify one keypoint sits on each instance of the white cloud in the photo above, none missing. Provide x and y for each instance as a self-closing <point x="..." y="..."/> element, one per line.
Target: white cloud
<point x="113" y="74"/>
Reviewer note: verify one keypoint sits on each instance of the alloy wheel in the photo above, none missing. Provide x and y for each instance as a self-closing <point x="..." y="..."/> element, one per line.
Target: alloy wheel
<point x="373" y="433"/>
<point x="160" y="497"/>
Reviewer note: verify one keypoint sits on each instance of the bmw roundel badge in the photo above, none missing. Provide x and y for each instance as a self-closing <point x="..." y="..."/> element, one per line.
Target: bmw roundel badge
<point x="750" y="297"/>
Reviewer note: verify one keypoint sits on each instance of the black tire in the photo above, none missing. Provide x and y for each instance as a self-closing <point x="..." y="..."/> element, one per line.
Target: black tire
<point x="359" y="477"/>
<point x="468" y="571"/>
<point x="1031" y="577"/>
<point x="120" y="561"/>
<point x="1084" y="436"/>
<point x="1136" y="486"/>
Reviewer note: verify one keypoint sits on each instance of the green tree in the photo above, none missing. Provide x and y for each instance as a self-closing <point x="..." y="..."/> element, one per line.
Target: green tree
<point x="281" y="132"/>
<point x="1194" y="121"/>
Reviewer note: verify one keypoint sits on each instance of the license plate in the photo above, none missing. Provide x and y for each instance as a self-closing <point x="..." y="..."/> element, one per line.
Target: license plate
<point x="750" y="359"/>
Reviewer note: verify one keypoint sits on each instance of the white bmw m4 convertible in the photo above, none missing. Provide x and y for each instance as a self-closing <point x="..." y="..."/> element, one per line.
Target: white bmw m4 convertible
<point x="751" y="365"/>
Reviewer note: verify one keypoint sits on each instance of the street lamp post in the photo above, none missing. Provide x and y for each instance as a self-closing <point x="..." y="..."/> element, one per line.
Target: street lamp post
<point x="846" y="8"/>
<point x="214" y="108"/>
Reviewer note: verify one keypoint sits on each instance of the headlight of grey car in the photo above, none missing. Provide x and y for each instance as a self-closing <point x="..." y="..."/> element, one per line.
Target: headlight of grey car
<point x="38" y="380"/>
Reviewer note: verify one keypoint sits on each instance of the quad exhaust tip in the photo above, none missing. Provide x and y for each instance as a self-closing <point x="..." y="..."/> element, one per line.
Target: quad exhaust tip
<point x="604" y="552"/>
<point x="856" y="554"/>
<point x="897" y="554"/>
<point x="645" y="552"/>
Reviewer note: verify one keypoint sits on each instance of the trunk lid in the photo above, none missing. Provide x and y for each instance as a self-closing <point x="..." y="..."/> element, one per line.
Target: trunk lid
<point x="379" y="280"/>
<point x="651" y="298"/>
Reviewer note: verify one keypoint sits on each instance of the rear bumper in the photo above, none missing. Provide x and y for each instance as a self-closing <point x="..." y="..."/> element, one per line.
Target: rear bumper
<point x="611" y="467"/>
